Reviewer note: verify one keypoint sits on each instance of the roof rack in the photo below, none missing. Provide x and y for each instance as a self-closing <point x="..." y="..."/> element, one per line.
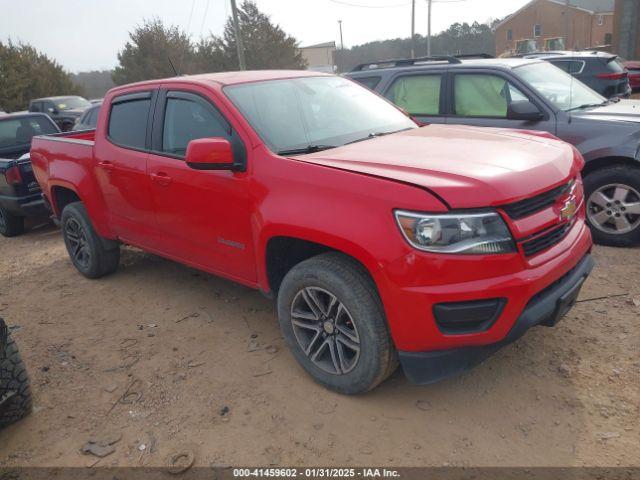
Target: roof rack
<point x="474" y="55"/>
<point x="403" y="62"/>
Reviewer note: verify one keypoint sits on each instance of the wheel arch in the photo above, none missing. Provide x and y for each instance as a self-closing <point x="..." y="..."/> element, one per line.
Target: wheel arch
<point x="609" y="161"/>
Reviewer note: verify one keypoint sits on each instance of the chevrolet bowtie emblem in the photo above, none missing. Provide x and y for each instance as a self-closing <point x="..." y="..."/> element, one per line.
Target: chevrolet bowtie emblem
<point x="569" y="209"/>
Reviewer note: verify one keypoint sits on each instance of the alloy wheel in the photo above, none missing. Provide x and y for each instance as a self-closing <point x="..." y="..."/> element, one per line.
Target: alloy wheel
<point x="325" y="330"/>
<point x="614" y="208"/>
<point x="77" y="242"/>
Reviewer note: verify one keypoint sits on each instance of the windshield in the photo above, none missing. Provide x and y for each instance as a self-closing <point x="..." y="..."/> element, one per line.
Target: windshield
<point x="18" y="132"/>
<point x="67" y="103"/>
<point x="560" y="88"/>
<point x="321" y="112"/>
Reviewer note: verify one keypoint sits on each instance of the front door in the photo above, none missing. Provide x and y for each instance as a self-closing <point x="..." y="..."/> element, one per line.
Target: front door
<point x="482" y="99"/>
<point x="121" y="168"/>
<point x="204" y="215"/>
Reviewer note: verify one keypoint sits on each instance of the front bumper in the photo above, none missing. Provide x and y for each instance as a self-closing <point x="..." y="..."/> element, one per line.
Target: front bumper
<point x="545" y="308"/>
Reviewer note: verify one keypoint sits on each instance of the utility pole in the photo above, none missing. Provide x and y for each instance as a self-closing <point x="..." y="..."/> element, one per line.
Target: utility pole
<point x="239" y="44"/>
<point x="339" y="58"/>
<point x="428" y="28"/>
<point x="566" y="25"/>
<point x="413" y="28"/>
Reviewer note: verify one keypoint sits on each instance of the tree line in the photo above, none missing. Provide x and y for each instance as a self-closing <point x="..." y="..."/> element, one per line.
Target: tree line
<point x="155" y="50"/>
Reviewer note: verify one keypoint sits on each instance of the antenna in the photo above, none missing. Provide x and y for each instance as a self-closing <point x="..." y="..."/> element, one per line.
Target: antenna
<point x="172" y="67"/>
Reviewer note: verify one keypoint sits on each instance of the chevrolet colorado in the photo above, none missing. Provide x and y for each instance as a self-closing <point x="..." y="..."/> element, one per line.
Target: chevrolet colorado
<point x="381" y="241"/>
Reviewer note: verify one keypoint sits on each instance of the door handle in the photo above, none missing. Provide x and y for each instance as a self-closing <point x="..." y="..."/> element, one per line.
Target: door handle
<point x="161" y="178"/>
<point x="106" y="165"/>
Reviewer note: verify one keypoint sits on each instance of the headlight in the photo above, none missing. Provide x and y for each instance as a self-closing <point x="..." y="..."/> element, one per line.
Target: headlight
<point x="464" y="233"/>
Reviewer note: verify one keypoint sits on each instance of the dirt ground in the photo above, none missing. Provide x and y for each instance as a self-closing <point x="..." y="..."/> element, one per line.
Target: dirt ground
<point x="176" y="347"/>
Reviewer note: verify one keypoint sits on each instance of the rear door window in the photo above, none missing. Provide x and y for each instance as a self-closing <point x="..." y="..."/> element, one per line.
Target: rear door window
<point x="570" y="66"/>
<point x="484" y="95"/>
<point x="417" y="94"/>
<point x="128" y="121"/>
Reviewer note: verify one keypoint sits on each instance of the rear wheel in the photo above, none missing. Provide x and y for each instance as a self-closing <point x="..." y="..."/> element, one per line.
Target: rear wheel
<point x="613" y="205"/>
<point x="334" y="323"/>
<point x="10" y="225"/>
<point x="15" y="393"/>
<point x="92" y="255"/>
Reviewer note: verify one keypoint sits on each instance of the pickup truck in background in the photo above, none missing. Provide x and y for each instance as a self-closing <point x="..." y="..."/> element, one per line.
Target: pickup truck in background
<point x="64" y="110"/>
<point x="381" y="241"/>
<point x="20" y="194"/>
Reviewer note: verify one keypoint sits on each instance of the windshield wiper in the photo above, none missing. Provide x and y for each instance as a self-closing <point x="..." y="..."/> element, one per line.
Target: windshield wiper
<point x="376" y="134"/>
<point x="588" y="105"/>
<point x="307" y="149"/>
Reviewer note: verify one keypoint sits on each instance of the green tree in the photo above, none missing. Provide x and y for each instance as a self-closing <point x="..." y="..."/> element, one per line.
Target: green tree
<point x="151" y="50"/>
<point x="266" y="46"/>
<point x="26" y="74"/>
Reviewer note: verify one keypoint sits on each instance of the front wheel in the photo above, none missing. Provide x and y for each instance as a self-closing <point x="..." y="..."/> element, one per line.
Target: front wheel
<point x="334" y="323"/>
<point x="93" y="256"/>
<point x="613" y="205"/>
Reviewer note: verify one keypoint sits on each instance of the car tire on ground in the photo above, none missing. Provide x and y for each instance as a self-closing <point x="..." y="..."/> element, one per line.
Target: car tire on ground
<point x="333" y="321"/>
<point x="613" y="205"/>
<point x="91" y="254"/>
<point x="10" y="225"/>
<point x="15" y="392"/>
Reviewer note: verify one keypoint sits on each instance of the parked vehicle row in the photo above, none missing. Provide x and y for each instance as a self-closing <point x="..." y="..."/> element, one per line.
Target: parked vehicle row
<point x="65" y="111"/>
<point x="20" y="194"/>
<point x="381" y="241"/>
<point x="530" y="94"/>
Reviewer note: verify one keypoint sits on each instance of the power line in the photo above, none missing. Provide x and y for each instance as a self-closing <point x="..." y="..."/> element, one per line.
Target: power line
<point x="359" y="5"/>
<point x="193" y="4"/>
<point x="204" y="17"/>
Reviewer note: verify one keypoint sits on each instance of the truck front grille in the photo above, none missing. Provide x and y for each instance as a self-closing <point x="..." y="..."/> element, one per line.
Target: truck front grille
<point x="529" y="206"/>
<point x="546" y="240"/>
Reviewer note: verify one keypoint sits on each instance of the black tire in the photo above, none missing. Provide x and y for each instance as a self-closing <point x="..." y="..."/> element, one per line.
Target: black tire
<point x="92" y="255"/>
<point x="15" y="392"/>
<point x="10" y="225"/>
<point x="604" y="180"/>
<point x="338" y="276"/>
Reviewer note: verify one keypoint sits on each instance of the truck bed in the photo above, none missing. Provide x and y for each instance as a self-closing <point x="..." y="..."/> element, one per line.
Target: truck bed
<point x="62" y="157"/>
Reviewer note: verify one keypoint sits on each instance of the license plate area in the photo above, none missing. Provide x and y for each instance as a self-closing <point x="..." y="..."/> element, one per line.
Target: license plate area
<point x="564" y="304"/>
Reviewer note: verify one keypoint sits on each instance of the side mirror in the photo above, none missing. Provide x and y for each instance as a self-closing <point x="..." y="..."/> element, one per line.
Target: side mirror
<point x="210" y="154"/>
<point x="524" y="110"/>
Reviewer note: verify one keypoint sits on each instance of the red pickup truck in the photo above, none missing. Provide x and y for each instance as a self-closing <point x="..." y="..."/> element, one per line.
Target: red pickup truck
<point x="381" y="241"/>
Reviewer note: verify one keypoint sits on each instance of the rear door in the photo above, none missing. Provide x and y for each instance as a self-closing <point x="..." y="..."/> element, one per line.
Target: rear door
<point x="481" y="98"/>
<point x="421" y="94"/>
<point x="121" y="154"/>
<point x="203" y="215"/>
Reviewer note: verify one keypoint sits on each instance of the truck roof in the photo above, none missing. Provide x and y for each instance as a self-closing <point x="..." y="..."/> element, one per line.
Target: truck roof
<point x="230" y="78"/>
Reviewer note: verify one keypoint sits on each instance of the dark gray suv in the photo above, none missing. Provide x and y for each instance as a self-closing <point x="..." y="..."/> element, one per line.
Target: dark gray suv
<point x="530" y="94"/>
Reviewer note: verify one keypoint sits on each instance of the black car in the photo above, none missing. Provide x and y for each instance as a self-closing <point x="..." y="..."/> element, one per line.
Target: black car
<point x="530" y="94"/>
<point x="89" y="118"/>
<point x="15" y="392"/>
<point x="603" y="72"/>
<point x="20" y="194"/>
<point x="65" y="111"/>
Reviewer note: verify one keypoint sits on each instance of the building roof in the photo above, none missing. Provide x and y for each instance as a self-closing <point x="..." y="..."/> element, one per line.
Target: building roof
<point x="591" y="6"/>
<point x="321" y="45"/>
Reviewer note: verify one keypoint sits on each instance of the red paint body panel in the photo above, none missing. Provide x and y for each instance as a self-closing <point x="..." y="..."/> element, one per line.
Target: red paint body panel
<point x="343" y="198"/>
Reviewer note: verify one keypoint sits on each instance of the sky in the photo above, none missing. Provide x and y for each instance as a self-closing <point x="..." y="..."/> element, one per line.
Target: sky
<point x="86" y="35"/>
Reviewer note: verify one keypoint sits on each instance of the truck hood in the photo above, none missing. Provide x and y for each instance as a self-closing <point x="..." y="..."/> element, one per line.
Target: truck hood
<point x="622" y="111"/>
<point x="467" y="167"/>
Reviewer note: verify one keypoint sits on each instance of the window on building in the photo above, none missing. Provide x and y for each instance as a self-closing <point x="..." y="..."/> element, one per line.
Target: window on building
<point x="600" y="20"/>
<point x="608" y="38"/>
<point x="537" y="30"/>
<point x="509" y="35"/>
